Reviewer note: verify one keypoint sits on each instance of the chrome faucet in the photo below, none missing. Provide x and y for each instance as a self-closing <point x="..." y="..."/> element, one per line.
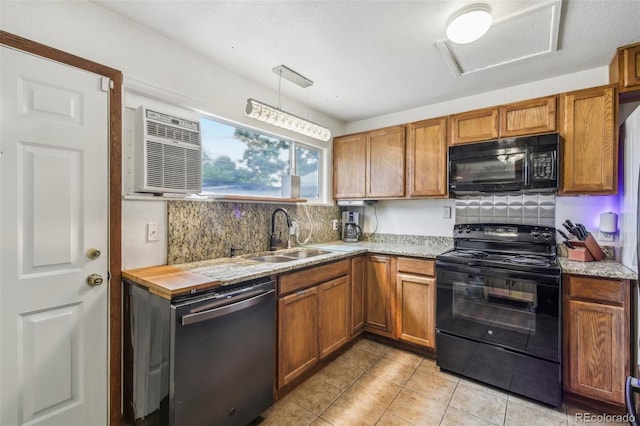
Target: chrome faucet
<point x="273" y="240"/>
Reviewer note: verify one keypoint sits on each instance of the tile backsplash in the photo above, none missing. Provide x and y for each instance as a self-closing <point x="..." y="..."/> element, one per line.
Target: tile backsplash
<point x="205" y="230"/>
<point x="529" y="209"/>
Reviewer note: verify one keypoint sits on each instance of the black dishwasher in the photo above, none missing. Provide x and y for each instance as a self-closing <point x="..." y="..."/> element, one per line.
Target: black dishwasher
<point x="206" y="359"/>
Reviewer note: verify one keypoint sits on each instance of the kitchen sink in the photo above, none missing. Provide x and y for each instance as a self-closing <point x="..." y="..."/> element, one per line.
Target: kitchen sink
<point x="302" y="254"/>
<point x="273" y="258"/>
<point x="289" y="256"/>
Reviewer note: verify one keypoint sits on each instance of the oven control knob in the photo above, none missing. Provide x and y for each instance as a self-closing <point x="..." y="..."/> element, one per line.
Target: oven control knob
<point x="459" y="229"/>
<point x="546" y="235"/>
<point x="535" y="233"/>
<point x="467" y="229"/>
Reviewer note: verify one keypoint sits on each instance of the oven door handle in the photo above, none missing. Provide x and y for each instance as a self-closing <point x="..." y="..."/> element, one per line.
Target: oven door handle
<point x="545" y="279"/>
<point x="245" y="301"/>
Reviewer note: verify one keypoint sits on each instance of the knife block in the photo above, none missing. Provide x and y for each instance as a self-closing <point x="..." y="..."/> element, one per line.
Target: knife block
<point x="586" y="251"/>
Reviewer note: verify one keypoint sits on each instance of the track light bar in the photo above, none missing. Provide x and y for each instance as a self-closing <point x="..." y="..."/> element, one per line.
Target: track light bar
<point x="277" y="117"/>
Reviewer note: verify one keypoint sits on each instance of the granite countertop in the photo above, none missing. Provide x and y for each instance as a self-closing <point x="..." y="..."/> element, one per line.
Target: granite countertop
<point x="230" y="270"/>
<point x="602" y="268"/>
<point x="226" y="271"/>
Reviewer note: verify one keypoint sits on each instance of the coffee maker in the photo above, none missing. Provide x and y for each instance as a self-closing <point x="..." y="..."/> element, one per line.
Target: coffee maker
<point x="351" y="226"/>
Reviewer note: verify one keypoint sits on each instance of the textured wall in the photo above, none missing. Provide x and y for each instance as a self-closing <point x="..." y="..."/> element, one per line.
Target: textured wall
<point x="205" y="230"/>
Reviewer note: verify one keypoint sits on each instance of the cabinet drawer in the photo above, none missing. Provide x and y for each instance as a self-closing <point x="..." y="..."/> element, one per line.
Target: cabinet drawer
<point x="288" y="283"/>
<point x="597" y="290"/>
<point x="416" y="266"/>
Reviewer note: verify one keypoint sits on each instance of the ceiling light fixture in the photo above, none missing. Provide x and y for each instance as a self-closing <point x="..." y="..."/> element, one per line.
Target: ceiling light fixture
<point x="276" y="116"/>
<point x="469" y="23"/>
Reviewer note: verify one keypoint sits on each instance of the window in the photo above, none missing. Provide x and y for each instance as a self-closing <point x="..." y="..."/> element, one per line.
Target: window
<point x="240" y="161"/>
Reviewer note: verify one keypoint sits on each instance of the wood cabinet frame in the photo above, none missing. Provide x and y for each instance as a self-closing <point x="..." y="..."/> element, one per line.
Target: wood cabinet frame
<point x="314" y="317"/>
<point x="589" y="128"/>
<point x="427" y="158"/>
<point x="597" y="336"/>
<point x="529" y="117"/>
<point x="474" y="126"/>
<point x="624" y="69"/>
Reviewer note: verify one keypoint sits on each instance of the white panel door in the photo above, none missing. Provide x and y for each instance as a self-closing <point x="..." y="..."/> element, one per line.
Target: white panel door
<point x="53" y="208"/>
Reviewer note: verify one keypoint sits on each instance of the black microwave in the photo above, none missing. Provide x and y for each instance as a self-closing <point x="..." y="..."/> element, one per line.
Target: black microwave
<point x="527" y="164"/>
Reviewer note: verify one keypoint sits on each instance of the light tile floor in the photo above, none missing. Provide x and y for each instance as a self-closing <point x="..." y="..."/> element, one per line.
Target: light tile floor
<point x="374" y="384"/>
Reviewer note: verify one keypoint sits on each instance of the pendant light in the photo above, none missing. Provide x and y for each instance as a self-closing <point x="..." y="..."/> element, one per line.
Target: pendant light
<point x="276" y="116"/>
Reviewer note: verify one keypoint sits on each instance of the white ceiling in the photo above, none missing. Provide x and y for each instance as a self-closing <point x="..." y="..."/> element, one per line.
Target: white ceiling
<point x="370" y="58"/>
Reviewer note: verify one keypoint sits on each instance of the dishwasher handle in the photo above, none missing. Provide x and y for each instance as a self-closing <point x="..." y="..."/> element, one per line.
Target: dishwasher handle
<point x="247" y="300"/>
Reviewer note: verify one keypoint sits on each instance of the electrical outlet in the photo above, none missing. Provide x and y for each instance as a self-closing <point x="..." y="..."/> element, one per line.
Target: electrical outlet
<point x="153" y="231"/>
<point x="334" y="224"/>
<point x="608" y="237"/>
<point x="446" y="212"/>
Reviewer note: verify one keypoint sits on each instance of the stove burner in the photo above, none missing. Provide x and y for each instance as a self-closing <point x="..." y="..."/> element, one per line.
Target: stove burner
<point x="529" y="260"/>
<point x="469" y="254"/>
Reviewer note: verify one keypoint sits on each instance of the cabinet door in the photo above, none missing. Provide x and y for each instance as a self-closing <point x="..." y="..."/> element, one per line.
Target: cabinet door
<point x="589" y="130"/>
<point x="385" y="162"/>
<point x="335" y="318"/>
<point x="631" y="68"/>
<point x="349" y="163"/>
<point x="528" y="117"/>
<point x="378" y="295"/>
<point x="596" y="347"/>
<point x="297" y="334"/>
<point x="427" y="158"/>
<point x="625" y="68"/>
<point x="357" y="294"/>
<point x="474" y="126"/>
<point x="416" y="298"/>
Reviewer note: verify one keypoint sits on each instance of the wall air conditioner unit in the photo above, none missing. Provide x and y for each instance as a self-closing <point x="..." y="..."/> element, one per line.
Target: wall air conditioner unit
<point x="167" y="153"/>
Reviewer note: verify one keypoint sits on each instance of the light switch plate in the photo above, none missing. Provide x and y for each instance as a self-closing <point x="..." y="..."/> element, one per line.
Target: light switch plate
<point x="446" y="212"/>
<point x="153" y="231"/>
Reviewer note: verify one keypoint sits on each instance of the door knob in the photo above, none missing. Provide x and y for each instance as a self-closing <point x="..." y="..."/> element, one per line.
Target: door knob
<point x="93" y="253"/>
<point x="94" y="280"/>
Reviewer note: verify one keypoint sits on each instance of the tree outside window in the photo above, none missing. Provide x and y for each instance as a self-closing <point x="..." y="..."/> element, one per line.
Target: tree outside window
<point x="244" y="162"/>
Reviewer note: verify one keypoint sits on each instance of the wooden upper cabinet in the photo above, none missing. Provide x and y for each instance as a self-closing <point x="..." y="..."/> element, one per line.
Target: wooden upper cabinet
<point x="625" y="68"/>
<point x="589" y="128"/>
<point x="427" y="158"/>
<point x="528" y="117"/>
<point x="349" y="164"/>
<point x="385" y="163"/>
<point x="474" y="126"/>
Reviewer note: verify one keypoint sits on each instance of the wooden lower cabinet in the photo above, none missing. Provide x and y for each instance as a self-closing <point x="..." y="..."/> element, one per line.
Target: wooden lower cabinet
<point x="357" y="294"/>
<point x="416" y="311"/>
<point x="335" y="315"/>
<point x="596" y="338"/>
<point x="297" y="334"/>
<point x="378" y="302"/>
<point x="314" y="317"/>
